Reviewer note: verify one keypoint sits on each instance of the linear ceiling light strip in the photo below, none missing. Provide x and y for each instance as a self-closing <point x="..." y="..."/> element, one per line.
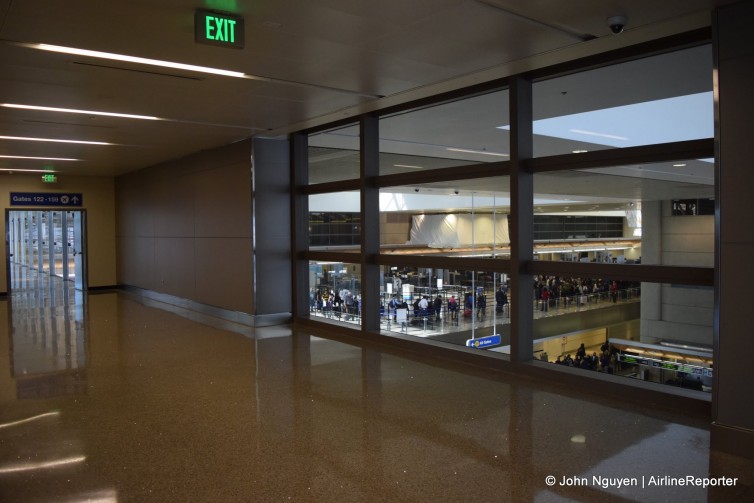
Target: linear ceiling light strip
<point x="188" y="67"/>
<point x="54" y="140"/>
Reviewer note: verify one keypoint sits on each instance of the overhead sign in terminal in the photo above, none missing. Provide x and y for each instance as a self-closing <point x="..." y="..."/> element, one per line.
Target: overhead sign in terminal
<point x="218" y="28"/>
<point x="45" y="199"/>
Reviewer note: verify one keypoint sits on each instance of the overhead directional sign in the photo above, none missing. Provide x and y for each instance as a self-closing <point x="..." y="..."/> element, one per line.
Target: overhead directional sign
<point x="218" y="28"/>
<point x="481" y="342"/>
<point x="46" y="199"/>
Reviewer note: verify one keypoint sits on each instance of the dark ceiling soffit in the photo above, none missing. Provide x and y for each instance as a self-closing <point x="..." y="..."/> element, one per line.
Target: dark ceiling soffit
<point x="467" y="172"/>
<point x="676" y="151"/>
<point x="642" y="50"/>
<point x="675" y="275"/>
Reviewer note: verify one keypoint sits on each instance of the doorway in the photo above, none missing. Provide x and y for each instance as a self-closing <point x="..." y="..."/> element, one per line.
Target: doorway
<point x="46" y="242"/>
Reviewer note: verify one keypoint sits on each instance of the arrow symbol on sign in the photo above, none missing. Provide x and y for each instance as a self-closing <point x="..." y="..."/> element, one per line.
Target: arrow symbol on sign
<point x="75" y="200"/>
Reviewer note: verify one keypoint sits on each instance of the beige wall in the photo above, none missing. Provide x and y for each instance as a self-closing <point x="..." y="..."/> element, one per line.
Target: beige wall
<point x="677" y="312"/>
<point x="98" y="195"/>
<point x="185" y="229"/>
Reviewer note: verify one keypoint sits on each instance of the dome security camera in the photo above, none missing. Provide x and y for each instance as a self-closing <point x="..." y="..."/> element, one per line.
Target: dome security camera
<point x="617" y="23"/>
<point x="416" y="189"/>
<point x="455" y="192"/>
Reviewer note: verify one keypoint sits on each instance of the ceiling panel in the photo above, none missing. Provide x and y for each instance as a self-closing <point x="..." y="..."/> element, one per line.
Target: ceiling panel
<point x="317" y="58"/>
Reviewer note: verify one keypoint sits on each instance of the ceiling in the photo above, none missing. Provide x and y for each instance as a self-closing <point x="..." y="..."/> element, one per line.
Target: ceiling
<point x="304" y="62"/>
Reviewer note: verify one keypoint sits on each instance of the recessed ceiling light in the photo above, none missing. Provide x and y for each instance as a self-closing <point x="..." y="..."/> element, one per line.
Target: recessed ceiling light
<point x="407" y="166"/>
<point x="679" y="165"/>
<point x="580" y="151"/>
<point x="136" y="59"/>
<point x="483" y="152"/>
<point x="37" y="158"/>
<point x="76" y="111"/>
<point x="29" y="170"/>
<point x="54" y="140"/>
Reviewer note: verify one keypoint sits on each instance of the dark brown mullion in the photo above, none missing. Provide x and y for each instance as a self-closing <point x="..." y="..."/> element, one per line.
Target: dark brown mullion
<point x="466" y="172"/>
<point x="328" y="187"/>
<point x="663" y="152"/>
<point x="300" y="224"/>
<point x="464" y="263"/>
<point x="676" y="275"/>
<point x="330" y="256"/>
<point x="370" y="222"/>
<point x="522" y="218"/>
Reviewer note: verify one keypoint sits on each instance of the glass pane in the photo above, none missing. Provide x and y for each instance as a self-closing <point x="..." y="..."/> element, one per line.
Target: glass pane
<point x="654" y="332"/>
<point x="335" y="292"/>
<point x="653" y="100"/>
<point x="653" y="214"/>
<point x="448" y="305"/>
<point x="335" y="221"/>
<point x="462" y="218"/>
<point x="457" y="133"/>
<point x="334" y="155"/>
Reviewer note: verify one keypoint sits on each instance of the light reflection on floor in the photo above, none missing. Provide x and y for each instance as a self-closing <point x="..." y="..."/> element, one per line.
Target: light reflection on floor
<point x="172" y="409"/>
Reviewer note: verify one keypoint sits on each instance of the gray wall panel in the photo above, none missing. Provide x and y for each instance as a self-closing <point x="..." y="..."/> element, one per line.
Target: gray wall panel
<point x="184" y="228"/>
<point x="272" y="221"/>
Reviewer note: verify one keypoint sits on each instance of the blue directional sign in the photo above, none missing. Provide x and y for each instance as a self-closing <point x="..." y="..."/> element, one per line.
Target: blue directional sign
<point x="490" y="340"/>
<point x="45" y="199"/>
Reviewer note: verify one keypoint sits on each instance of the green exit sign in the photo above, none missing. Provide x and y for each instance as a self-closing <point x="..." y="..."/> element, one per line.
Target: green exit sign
<point x="49" y="178"/>
<point x="218" y="28"/>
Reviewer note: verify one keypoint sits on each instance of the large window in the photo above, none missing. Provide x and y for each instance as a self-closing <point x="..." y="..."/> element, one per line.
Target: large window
<point x="450" y="305"/>
<point x="467" y="218"/>
<point x="639" y="196"/>
<point x="335" y="292"/>
<point x="334" y="155"/>
<point x="452" y="134"/>
<point x="592" y="228"/>
<point x="334" y="220"/>
<point x="653" y="100"/>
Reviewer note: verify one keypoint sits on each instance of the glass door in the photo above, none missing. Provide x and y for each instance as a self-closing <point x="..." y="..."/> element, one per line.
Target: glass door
<point x="50" y="242"/>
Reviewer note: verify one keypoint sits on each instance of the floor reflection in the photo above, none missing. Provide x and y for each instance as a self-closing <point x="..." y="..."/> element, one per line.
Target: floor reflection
<point x="180" y="409"/>
<point x="48" y="336"/>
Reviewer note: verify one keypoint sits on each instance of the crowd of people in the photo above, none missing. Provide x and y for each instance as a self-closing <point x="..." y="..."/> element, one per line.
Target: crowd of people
<point x="604" y="362"/>
<point x="337" y="304"/>
<point x="550" y="291"/>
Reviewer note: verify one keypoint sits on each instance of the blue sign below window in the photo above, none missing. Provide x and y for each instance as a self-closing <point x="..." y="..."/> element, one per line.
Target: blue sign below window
<point x="45" y="199"/>
<point x="483" y="342"/>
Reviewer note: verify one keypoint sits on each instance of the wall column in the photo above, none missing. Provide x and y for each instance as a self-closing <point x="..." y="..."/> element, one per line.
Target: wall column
<point x="733" y="409"/>
<point x="272" y="221"/>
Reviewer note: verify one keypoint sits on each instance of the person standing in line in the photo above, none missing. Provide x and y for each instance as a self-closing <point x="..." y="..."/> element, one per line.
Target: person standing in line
<point x="545" y="299"/>
<point x="438" y="307"/>
<point x="453" y="308"/>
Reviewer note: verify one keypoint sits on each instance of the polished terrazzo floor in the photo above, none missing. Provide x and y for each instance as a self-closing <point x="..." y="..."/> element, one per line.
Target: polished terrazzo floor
<point x="107" y="398"/>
